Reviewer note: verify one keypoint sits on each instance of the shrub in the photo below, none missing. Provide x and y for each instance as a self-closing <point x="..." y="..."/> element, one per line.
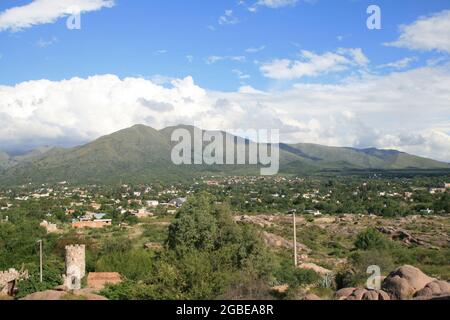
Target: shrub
<point x="371" y="239"/>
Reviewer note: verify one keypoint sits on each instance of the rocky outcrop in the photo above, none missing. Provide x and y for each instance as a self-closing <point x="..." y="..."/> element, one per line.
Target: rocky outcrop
<point x="275" y="241"/>
<point x="437" y="288"/>
<point x="404" y="282"/>
<point x="401" y="235"/>
<point x="261" y="220"/>
<point x="49" y="295"/>
<point x="312" y="266"/>
<point x="361" y="294"/>
<point x="311" y="297"/>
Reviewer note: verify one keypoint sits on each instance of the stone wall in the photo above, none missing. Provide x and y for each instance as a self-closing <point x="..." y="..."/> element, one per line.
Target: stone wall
<point x="8" y="280"/>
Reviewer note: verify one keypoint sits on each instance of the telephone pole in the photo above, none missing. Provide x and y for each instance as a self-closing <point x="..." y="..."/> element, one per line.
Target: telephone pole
<point x="40" y="259"/>
<point x="295" y="240"/>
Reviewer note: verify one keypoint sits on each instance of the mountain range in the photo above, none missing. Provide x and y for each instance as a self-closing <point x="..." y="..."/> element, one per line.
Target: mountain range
<point x="141" y="153"/>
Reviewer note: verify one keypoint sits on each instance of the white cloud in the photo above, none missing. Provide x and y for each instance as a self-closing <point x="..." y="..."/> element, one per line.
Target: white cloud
<point x="400" y="64"/>
<point x="406" y="110"/>
<point x="46" y="11"/>
<point x="312" y="64"/>
<point x="426" y="33"/>
<point x="161" y="51"/>
<point x="272" y="4"/>
<point x="228" y="18"/>
<point x="42" y="43"/>
<point x="255" y="50"/>
<point x="241" y="75"/>
<point x="214" y="59"/>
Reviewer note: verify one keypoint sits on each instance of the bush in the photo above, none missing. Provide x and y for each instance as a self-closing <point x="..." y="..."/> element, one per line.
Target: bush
<point x="286" y="273"/>
<point x="371" y="239"/>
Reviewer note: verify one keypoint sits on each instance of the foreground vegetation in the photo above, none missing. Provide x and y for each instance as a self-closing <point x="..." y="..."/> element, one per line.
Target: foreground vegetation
<point x="202" y="253"/>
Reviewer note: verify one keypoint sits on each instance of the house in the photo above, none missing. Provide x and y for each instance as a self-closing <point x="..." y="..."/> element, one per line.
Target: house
<point x="427" y="211"/>
<point x="437" y="190"/>
<point x="143" y="213"/>
<point x="91" y="224"/>
<point x="314" y="212"/>
<point x="447" y="185"/>
<point x="98" y="280"/>
<point x="70" y="211"/>
<point x="96" y="206"/>
<point x="50" y="227"/>
<point x="152" y="203"/>
<point x="178" y="202"/>
<point x="93" y="215"/>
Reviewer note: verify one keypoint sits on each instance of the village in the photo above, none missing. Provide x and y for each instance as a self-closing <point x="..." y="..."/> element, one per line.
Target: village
<point x="81" y="219"/>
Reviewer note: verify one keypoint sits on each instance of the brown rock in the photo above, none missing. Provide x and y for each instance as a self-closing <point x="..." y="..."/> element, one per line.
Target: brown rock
<point x="370" y="295"/>
<point x="358" y="294"/>
<point x="312" y="266"/>
<point x="311" y="297"/>
<point x="434" y="289"/>
<point x="344" y="293"/>
<point x="45" y="295"/>
<point x="382" y="295"/>
<point x="404" y="282"/>
<point x="51" y="295"/>
<point x="398" y="288"/>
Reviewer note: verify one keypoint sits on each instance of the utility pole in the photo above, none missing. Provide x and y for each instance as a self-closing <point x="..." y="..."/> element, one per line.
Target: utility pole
<point x="40" y="259"/>
<point x="295" y="240"/>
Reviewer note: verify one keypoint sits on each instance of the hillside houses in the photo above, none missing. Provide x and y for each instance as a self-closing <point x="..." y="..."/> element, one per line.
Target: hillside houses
<point x="177" y="202"/>
<point x="91" y="224"/>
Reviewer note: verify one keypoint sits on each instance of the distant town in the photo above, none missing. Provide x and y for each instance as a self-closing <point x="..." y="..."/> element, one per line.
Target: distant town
<point x="114" y="222"/>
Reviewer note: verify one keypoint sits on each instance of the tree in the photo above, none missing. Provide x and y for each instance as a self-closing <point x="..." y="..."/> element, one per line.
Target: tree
<point x="370" y="239"/>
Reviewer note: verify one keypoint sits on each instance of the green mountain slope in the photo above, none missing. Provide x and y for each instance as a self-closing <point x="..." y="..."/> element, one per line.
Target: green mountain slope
<point x="141" y="153"/>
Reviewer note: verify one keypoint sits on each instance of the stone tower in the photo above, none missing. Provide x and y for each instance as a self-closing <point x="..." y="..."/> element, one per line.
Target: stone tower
<point x="75" y="266"/>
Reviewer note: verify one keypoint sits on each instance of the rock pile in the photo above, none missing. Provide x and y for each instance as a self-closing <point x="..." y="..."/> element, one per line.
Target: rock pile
<point x="406" y="282"/>
<point x="400" y="235"/>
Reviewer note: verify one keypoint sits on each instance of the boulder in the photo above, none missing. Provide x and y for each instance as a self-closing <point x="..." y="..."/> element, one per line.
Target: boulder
<point x="344" y="293"/>
<point x="434" y="289"/>
<point x="311" y="297"/>
<point x="45" y="295"/>
<point x="312" y="266"/>
<point x="404" y="282"/>
<point x="371" y="295"/>
<point x="382" y="295"/>
<point x="358" y="294"/>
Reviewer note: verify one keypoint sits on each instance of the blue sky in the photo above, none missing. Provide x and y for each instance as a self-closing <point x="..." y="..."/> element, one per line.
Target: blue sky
<point x="310" y="68"/>
<point x="147" y="38"/>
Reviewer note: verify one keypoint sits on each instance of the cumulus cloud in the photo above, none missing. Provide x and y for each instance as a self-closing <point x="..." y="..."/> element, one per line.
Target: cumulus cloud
<point x="426" y="33"/>
<point x="312" y="64"/>
<point x="46" y="11"/>
<point x="406" y="110"/>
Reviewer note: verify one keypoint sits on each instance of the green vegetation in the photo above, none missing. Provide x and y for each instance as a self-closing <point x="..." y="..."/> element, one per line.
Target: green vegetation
<point x="207" y="256"/>
<point x="142" y="154"/>
<point x="198" y="251"/>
